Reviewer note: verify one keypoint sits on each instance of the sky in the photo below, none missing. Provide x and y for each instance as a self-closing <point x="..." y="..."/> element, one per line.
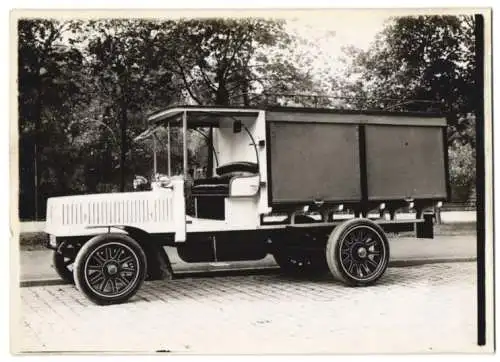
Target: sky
<point x="337" y="29"/>
<point x="331" y="31"/>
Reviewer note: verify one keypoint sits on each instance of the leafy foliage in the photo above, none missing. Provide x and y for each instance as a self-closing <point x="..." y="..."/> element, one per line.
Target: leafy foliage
<point x="85" y="88"/>
<point x="424" y="58"/>
<point x="50" y="77"/>
<point x="125" y="70"/>
<point x="462" y="159"/>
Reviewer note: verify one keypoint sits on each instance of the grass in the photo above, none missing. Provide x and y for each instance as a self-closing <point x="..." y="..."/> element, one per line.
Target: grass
<point x="37" y="241"/>
<point x="33" y="241"/>
<point x="465" y="228"/>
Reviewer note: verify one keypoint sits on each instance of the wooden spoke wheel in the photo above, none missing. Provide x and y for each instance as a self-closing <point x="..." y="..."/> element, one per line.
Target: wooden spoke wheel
<point x="110" y="268"/>
<point x="357" y="252"/>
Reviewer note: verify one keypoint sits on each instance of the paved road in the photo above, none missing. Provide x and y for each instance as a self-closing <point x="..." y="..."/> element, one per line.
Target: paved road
<point x="429" y="308"/>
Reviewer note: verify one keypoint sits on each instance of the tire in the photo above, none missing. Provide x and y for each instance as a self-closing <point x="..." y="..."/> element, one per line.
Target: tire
<point x="63" y="260"/>
<point x="357" y="252"/>
<point x="110" y="268"/>
<point x="63" y="267"/>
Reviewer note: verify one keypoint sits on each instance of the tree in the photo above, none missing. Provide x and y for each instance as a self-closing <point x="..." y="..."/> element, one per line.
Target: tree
<point x="225" y="61"/>
<point x="124" y="59"/>
<point x="462" y="169"/>
<point x="233" y="61"/>
<point x="85" y="88"/>
<point x="212" y="56"/>
<point x="49" y="81"/>
<point x="425" y="58"/>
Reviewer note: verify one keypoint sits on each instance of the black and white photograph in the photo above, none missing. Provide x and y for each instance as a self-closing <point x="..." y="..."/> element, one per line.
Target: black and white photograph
<point x="251" y="182"/>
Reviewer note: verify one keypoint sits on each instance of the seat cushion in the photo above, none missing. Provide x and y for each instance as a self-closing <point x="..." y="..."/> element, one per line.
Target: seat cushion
<point x="241" y="166"/>
<point x="210" y="190"/>
<point x="218" y="185"/>
<point x="216" y="180"/>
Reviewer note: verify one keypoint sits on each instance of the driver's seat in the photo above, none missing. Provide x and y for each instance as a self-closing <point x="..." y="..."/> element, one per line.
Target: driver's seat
<point x="210" y="193"/>
<point x="219" y="184"/>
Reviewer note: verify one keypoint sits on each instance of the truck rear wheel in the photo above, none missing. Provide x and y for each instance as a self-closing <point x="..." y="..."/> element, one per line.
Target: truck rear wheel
<point x="110" y="268"/>
<point x="357" y="252"/>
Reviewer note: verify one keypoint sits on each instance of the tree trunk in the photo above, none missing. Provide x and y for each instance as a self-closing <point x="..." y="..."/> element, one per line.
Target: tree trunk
<point x="245" y="89"/>
<point x="37" y="113"/>
<point x="222" y="95"/>
<point x="123" y="145"/>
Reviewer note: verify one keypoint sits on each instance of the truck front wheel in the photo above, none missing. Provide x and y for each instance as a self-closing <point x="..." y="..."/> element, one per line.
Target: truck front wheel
<point x="110" y="268"/>
<point x="357" y="252"/>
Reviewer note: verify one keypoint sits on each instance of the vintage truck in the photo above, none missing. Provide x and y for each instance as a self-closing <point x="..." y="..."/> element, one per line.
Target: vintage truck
<point x="316" y="188"/>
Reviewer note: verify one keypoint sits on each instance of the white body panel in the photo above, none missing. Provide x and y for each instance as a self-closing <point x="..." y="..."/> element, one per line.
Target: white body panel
<point x="244" y="186"/>
<point x="158" y="211"/>
<point x="242" y="212"/>
<point x="259" y="132"/>
<point x="231" y="147"/>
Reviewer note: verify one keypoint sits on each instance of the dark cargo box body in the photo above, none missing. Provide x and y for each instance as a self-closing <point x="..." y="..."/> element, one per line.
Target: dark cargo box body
<point x="405" y="162"/>
<point x="355" y="157"/>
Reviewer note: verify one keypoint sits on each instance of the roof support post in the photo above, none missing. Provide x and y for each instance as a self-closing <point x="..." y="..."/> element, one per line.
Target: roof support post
<point x="169" y="162"/>
<point x="155" y="165"/>
<point x="184" y="144"/>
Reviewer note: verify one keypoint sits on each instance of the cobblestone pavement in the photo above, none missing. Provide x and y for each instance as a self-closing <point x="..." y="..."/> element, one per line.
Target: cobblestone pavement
<point x="429" y="308"/>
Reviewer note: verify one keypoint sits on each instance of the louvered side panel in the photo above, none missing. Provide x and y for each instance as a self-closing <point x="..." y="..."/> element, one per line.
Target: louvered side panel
<point x="148" y="211"/>
<point x="117" y="212"/>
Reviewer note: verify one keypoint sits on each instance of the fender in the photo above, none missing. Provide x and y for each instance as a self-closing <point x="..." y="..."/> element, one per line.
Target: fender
<point x="159" y="266"/>
<point x="158" y="263"/>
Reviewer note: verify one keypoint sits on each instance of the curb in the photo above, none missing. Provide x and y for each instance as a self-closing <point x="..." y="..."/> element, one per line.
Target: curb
<point x="416" y="261"/>
<point x="399" y="263"/>
<point x="41" y="283"/>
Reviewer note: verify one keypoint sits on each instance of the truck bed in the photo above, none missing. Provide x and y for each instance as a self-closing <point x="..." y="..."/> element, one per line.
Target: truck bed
<point x="355" y="157"/>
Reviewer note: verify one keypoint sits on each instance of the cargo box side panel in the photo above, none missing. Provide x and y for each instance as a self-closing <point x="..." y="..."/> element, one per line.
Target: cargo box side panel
<point x="405" y="162"/>
<point x="314" y="161"/>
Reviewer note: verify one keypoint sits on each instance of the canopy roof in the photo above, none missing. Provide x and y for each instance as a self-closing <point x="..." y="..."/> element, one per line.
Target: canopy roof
<point x="210" y="116"/>
<point x="207" y="115"/>
<point x="199" y="116"/>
